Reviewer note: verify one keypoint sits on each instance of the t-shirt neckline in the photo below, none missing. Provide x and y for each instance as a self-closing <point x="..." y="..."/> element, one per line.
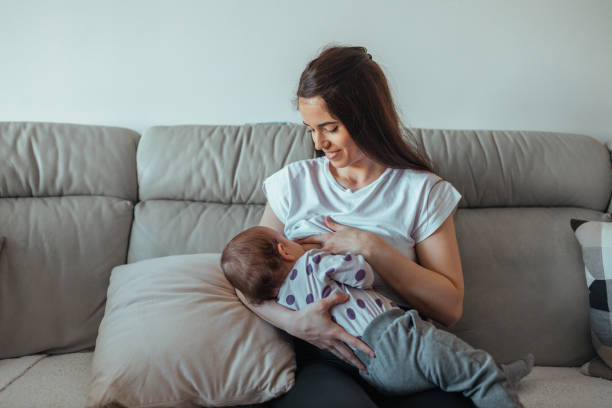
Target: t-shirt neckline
<point x="345" y="190"/>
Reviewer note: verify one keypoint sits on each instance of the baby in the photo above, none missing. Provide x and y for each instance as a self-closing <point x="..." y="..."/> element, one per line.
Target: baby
<point x="412" y="355"/>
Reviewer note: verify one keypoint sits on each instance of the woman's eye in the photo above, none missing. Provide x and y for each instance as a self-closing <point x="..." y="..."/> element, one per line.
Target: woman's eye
<point x="332" y="130"/>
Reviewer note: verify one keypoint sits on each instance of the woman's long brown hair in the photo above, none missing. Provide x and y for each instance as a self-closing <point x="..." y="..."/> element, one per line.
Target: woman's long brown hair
<point x="356" y="92"/>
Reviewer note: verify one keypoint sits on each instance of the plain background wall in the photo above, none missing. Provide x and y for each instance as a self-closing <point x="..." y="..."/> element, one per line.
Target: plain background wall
<point x="526" y="64"/>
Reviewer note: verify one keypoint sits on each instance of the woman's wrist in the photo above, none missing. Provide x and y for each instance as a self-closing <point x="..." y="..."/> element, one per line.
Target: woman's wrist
<point x="275" y="314"/>
<point x="370" y="243"/>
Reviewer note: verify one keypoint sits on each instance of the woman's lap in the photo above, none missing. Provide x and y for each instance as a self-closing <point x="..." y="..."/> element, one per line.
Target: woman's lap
<point x="325" y="381"/>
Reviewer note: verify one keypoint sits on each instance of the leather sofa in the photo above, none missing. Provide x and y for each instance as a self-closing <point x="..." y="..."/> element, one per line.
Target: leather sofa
<point x="77" y="200"/>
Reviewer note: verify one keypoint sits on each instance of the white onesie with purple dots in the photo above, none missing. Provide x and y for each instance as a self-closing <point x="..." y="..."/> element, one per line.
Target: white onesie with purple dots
<point x="317" y="274"/>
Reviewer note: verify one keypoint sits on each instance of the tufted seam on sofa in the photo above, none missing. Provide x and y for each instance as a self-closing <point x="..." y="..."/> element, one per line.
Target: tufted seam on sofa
<point x="22" y="372"/>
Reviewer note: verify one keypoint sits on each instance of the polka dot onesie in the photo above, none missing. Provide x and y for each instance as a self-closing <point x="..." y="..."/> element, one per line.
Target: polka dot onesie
<point x="317" y="274"/>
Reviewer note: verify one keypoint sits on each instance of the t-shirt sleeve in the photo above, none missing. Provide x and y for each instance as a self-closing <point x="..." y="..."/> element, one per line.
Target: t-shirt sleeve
<point x="441" y="201"/>
<point x="277" y="190"/>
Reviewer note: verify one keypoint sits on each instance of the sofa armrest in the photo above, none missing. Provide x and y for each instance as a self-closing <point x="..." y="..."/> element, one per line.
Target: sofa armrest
<point x="609" y="146"/>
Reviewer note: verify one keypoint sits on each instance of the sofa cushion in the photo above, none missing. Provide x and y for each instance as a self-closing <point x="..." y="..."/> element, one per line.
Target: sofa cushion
<point x="52" y="382"/>
<point x="524" y="284"/>
<point x="54" y="270"/>
<point x="167" y="227"/>
<point x="175" y="334"/>
<point x="221" y="164"/>
<point x="53" y="159"/>
<point x="563" y="387"/>
<point x="66" y="208"/>
<point x="596" y="242"/>
<point x="62" y="382"/>
<point x="609" y="146"/>
<point x="2" y="239"/>
<point x="13" y="368"/>
<point x="201" y="185"/>
<point x="227" y="164"/>
<point x="513" y="168"/>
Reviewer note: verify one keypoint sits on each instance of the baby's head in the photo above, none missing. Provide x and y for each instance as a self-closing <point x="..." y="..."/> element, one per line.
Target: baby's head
<point x="257" y="260"/>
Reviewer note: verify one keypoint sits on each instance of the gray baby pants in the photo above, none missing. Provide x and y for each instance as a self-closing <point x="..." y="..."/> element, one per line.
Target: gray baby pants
<point x="413" y="355"/>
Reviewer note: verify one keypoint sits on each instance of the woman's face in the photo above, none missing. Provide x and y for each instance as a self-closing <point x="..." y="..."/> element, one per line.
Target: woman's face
<point x="329" y="134"/>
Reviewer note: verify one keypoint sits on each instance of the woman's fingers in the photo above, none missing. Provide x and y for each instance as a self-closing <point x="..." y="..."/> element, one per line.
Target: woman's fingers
<point x="341" y="350"/>
<point x="317" y="328"/>
<point x="356" y="343"/>
<point x="333" y="225"/>
<point x="335" y="299"/>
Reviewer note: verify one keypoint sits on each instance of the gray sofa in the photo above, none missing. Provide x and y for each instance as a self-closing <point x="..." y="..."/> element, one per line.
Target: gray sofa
<point x="77" y="200"/>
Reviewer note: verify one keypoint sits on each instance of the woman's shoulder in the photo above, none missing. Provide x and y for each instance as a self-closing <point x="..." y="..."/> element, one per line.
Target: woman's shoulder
<point x="292" y="173"/>
<point x="414" y="179"/>
<point x="304" y="168"/>
<point x="314" y="163"/>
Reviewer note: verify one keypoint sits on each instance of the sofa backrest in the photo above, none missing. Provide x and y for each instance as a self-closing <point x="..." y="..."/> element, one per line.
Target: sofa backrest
<point x="524" y="277"/>
<point x="200" y="185"/>
<point x="525" y="289"/>
<point x="66" y="207"/>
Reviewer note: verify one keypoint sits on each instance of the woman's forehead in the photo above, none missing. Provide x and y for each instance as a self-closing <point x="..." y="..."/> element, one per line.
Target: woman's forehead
<point x="314" y="111"/>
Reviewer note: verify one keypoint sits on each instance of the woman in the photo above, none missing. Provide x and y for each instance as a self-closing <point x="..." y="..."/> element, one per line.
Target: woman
<point x="386" y="203"/>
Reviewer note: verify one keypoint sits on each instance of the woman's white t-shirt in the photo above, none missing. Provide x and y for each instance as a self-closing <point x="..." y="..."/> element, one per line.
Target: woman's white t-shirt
<point x="402" y="206"/>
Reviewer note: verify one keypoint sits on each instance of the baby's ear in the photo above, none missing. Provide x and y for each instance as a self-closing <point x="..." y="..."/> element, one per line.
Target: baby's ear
<point x="282" y="249"/>
<point x="284" y="252"/>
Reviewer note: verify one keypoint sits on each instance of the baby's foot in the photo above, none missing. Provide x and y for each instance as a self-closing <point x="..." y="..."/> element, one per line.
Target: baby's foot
<point x="518" y="369"/>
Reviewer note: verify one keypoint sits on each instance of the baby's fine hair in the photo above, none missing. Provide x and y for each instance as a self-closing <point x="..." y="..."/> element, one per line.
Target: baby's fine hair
<point x="252" y="264"/>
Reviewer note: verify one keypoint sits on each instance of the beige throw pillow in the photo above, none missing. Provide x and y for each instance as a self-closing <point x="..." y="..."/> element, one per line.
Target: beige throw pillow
<point x="175" y="334"/>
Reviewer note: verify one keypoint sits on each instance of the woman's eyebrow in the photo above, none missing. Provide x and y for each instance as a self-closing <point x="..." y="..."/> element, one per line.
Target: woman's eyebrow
<point x="322" y="124"/>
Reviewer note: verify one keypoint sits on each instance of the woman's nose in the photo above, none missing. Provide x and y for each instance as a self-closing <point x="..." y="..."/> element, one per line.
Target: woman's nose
<point x="319" y="142"/>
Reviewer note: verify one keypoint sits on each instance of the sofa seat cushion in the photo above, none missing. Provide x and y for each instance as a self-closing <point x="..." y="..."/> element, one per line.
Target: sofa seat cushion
<point x="61" y="382"/>
<point x="564" y="387"/>
<point x="13" y="368"/>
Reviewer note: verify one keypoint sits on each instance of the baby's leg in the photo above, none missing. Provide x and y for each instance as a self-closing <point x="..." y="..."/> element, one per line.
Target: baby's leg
<point x="440" y="358"/>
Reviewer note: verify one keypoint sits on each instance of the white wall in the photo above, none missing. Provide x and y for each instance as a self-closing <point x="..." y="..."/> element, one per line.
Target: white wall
<point x="527" y="64"/>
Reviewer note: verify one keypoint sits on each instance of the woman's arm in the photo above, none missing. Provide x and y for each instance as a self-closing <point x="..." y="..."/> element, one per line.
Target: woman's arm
<point x="313" y="323"/>
<point x="435" y="287"/>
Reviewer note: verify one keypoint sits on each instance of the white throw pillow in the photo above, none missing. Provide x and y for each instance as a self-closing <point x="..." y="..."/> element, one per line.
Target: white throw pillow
<point x="595" y="239"/>
<point x="175" y="334"/>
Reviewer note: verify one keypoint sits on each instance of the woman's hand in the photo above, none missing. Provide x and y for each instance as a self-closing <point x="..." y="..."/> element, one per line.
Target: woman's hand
<point x="343" y="239"/>
<point x="314" y="325"/>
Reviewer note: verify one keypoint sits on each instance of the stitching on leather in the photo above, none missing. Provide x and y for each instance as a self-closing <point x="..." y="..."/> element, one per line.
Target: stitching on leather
<point x="23" y="372"/>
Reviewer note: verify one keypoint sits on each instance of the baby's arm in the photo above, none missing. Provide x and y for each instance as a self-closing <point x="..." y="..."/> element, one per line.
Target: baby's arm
<point x="352" y="270"/>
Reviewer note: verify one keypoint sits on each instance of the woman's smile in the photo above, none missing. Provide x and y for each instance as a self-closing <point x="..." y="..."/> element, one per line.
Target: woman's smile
<point x="332" y="155"/>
